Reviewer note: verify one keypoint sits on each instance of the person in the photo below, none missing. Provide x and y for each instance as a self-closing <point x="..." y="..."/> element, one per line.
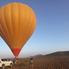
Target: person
<point x="31" y="63"/>
<point x="31" y="60"/>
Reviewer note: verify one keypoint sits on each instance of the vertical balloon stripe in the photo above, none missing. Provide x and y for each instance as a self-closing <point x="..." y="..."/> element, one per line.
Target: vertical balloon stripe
<point x="8" y="19"/>
<point x="3" y="21"/>
<point x="3" y="34"/>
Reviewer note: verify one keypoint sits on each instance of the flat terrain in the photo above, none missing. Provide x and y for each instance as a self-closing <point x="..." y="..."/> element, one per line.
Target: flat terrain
<point x="58" y="61"/>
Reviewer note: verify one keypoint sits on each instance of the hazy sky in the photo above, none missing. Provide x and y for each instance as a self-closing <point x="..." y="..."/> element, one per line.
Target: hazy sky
<point x="52" y="31"/>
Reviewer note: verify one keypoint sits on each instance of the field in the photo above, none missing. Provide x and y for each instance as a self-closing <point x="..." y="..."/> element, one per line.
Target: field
<point x="43" y="62"/>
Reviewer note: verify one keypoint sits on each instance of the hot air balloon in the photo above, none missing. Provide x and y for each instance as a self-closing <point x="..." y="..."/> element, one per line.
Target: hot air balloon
<point x="18" y="22"/>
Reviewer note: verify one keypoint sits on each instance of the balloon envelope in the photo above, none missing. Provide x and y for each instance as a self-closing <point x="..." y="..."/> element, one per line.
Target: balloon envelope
<point x="17" y="24"/>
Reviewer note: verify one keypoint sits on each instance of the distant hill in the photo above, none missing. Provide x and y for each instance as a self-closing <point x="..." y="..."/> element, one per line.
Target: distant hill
<point x="60" y="53"/>
<point x="36" y="56"/>
<point x="57" y="54"/>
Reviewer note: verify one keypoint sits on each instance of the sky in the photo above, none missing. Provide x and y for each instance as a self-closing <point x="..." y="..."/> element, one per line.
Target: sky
<point x="52" y="28"/>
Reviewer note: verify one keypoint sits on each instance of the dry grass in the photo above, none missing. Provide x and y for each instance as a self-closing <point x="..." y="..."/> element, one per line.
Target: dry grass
<point x="50" y="62"/>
